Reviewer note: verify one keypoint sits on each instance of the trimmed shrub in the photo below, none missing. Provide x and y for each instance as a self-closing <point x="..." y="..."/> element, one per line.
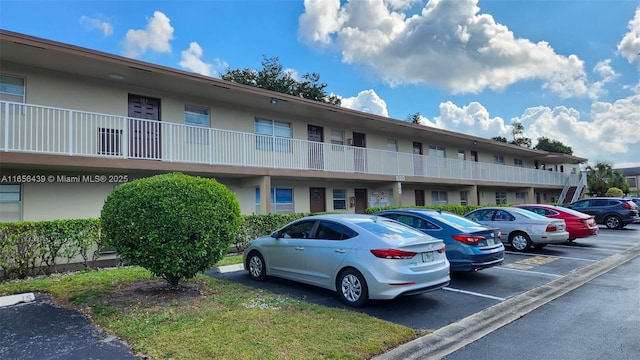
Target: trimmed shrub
<point x="614" y="192"/>
<point x="173" y="225"/>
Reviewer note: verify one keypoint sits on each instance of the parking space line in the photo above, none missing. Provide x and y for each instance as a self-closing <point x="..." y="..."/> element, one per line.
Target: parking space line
<point x="552" y="256"/>
<point x="528" y="271"/>
<point x="474" y="294"/>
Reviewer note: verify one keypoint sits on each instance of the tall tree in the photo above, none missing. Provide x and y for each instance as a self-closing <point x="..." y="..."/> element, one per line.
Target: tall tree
<point x="517" y="131"/>
<point x="414" y="118"/>
<point x="553" y="146"/>
<point x="602" y="176"/>
<point x="499" y="138"/>
<point x="273" y="77"/>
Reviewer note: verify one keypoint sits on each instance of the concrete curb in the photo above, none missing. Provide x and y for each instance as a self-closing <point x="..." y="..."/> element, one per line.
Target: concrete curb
<point x="450" y="338"/>
<point x="16" y="299"/>
<point x="227" y="268"/>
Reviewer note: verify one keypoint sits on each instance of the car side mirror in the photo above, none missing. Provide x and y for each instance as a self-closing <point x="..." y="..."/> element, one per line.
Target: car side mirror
<point x="275" y="235"/>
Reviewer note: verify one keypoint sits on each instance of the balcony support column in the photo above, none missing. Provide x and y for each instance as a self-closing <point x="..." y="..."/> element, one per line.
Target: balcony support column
<point x="397" y="193"/>
<point x="530" y="196"/>
<point x="265" y="195"/>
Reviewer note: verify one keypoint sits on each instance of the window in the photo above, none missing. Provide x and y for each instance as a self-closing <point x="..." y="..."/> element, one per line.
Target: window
<point x="392" y="145"/>
<point x="464" y="198"/>
<point x="517" y="162"/>
<point x="416" y="222"/>
<point x="337" y="137"/>
<point x="10" y="202"/>
<point x="501" y="198"/>
<point x="439" y="198"/>
<point x="332" y="231"/>
<point x="632" y="182"/>
<point x="11" y="88"/>
<point x="521" y="197"/>
<point x="281" y="201"/>
<point x="198" y="119"/>
<point x="436" y="151"/>
<point x="273" y="135"/>
<point x="461" y="155"/>
<point x="339" y="199"/>
<point x="497" y="159"/>
<point x="299" y="230"/>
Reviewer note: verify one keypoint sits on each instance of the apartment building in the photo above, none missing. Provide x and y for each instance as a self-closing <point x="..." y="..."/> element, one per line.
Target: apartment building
<point x="75" y="123"/>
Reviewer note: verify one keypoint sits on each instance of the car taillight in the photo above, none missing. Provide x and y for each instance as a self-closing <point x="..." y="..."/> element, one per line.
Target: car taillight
<point x="627" y="205"/>
<point x="393" y="254"/>
<point x="442" y="249"/>
<point x="468" y="239"/>
<point x="551" y="228"/>
<point x="499" y="236"/>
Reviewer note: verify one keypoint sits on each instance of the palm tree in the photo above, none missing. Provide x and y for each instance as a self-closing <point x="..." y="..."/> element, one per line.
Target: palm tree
<point x="602" y="176"/>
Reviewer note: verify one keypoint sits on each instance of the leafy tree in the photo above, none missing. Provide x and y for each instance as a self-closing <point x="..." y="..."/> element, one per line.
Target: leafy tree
<point x="517" y="130"/>
<point x="174" y="225"/>
<point x="602" y="177"/>
<point x="414" y="118"/>
<point x="553" y="146"/>
<point x="499" y="138"/>
<point x="273" y="77"/>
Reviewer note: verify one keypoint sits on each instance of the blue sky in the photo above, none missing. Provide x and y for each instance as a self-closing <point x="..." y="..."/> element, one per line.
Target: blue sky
<point x="568" y="70"/>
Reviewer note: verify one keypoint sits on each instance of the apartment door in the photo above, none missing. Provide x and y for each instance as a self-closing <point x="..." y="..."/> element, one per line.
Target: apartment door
<point x="316" y="137"/>
<point x="361" y="200"/>
<point x="417" y="159"/>
<point x="419" y="197"/>
<point x="144" y="127"/>
<point x="317" y="202"/>
<point x="359" y="153"/>
<point x="475" y="171"/>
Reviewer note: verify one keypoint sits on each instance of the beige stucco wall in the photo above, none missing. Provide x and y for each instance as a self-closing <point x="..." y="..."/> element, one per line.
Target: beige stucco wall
<point x="50" y="201"/>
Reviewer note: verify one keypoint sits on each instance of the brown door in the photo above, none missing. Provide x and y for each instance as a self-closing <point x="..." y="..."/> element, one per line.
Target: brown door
<point x="359" y="153"/>
<point x="361" y="200"/>
<point x="417" y="159"/>
<point x="316" y="158"/>
<point x="419" y="197"/>
<point x="144" y="127"/>
<point x="317" y="201"/>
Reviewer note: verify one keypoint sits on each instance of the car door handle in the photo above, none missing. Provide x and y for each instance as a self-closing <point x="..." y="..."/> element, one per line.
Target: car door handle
<point x="341" y="251"/>
<point x="299" y="248"/>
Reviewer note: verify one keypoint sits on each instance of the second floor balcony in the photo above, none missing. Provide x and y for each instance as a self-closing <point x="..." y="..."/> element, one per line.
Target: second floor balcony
<point x="49" y="130"/>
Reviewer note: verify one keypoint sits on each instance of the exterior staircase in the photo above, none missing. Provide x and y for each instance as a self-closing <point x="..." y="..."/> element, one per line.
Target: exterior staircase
<point x="573" y="189"/>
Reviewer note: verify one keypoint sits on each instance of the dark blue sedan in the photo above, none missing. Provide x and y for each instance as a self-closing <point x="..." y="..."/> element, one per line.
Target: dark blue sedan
<point x="469" y="245"/>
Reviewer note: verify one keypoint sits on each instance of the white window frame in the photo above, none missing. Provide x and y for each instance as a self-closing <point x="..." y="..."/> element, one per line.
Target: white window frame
<point x="196" y="131"/>
<point x="272" y="135"/>
<point x="498" y="159"/>
<point x="521" y="197"/>
<point x="6" y="201"/>
<point x="518" y="162"/>
<point x="13" y="90"/>
<point x="340" y="199"/>
<point x="439" y="197"/>
<point x="501" y="198"/>
<point x="392" y="145"/>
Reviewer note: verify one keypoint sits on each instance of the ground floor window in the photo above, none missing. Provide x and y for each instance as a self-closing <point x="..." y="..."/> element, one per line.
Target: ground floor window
<point x="501" y="198"/>
<point x="521" y="197"/>
<point x="439" y="198"/>
<point x="339" y="199"/>
<point x="10" y="202"/>
<point x="464" y="198"/>
<point x="281" y="201"/>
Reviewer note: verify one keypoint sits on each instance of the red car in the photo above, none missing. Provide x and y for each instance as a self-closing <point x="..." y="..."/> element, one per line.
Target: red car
<point x="579" y="225"/>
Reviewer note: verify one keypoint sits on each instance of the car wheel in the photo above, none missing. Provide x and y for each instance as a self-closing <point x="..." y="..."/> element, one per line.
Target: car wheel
<point x="352" y="289"/>
<point x="613" y="222"/>
<point x="520" y="241"/>
<point x="256" y="266"/>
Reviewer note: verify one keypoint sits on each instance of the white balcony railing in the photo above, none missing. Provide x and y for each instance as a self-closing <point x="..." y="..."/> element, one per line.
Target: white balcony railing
<point x="49" y="130"/>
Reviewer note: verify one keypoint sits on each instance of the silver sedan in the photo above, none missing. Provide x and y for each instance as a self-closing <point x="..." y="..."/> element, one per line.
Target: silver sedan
<point x="522" y="229"/>
<point x="361" y="257"/>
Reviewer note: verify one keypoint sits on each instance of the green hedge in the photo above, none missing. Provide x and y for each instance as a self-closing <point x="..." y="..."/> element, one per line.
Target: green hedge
<point x="456" y="209"/>
<point x="32" y="248"/>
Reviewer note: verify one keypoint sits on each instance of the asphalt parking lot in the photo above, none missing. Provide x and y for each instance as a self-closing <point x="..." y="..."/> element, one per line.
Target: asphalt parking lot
<point x="469" y="293"/>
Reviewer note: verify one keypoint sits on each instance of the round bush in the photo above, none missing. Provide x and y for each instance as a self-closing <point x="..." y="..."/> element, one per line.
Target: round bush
<point x="174" y="225"/>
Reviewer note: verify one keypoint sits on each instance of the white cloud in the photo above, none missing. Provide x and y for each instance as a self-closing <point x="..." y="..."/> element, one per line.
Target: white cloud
<point x="155" y="37"/>
<point x="611" y="132"/>
<point x="629" y="46"/>
<point x="367" y="101"/>
<point x="92" y="23"/>
<point x="449" y="44"/>
<point x="607" y="75"/>
<point x="472" y="119"/>
<point x="191" y="59"/>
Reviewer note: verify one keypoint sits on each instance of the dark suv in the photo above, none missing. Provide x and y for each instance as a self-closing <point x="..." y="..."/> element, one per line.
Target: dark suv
<point x="613" y="212"/>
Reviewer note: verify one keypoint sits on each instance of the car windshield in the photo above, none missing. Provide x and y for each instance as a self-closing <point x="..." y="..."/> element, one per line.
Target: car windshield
<point x="388" y="229"/>
<point x="528" y="214"/>
<point x="455" y="221"/>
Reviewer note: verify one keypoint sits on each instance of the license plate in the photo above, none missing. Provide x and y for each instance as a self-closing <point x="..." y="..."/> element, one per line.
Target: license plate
<point x="491" y="241"/>
<point x="428" y="256"/>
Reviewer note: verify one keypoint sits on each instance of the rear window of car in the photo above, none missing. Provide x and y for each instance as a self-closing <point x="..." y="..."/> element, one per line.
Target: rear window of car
<point x="571" y="211"/>
<point x="389" y="229"/>
<point x="529" y="214"/>
<point x="455" y="221"/>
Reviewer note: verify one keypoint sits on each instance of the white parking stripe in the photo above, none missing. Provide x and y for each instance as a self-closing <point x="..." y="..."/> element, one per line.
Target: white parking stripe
<point x="527" y="271"/>
<point x="474" y="293"/>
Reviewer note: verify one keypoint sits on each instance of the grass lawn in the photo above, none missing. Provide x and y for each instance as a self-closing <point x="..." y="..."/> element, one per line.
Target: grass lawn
<point x="214" y="319"/>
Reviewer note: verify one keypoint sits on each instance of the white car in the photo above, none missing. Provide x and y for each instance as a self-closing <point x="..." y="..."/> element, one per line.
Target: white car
<point x="522" y="229"/>
<point x="361" y="257"/>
